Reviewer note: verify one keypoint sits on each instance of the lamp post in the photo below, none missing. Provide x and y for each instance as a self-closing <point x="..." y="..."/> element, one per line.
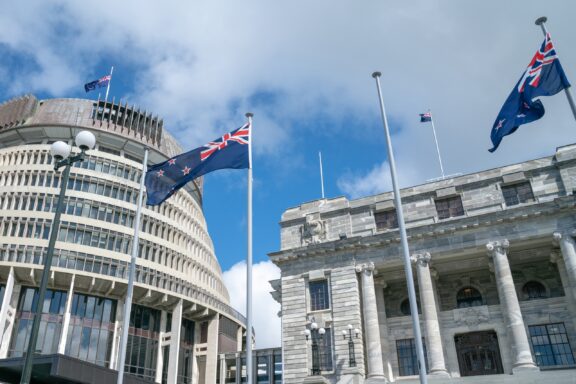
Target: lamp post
<point x="60" y="151"/>
<point x="315" y="333"/>
<point x="348" y="336"/>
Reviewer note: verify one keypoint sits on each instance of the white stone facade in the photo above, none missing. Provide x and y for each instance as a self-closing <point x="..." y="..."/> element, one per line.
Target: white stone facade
<point x="495" y="270"/>
<point x="178" y="280"/>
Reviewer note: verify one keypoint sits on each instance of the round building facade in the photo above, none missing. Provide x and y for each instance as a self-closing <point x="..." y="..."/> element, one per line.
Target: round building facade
<point x="181" y="317"/>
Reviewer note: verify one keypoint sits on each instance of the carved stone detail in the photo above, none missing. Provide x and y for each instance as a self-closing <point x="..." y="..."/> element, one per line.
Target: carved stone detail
<point x="421" y="258"/>
<point x="313" y="230"/>
<point x="471" y="316"/>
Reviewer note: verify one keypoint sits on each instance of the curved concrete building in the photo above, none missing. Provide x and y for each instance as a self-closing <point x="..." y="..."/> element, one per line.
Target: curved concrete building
<point x="181" y="317"/>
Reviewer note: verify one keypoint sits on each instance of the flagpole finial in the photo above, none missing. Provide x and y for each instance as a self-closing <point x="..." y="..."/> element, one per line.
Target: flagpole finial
<point x="249" y="114"/>
<point x="541" y="20"/>
<point x="376" y="74"/>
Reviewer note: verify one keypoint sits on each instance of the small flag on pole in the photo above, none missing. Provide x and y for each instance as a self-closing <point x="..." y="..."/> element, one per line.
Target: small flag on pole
<point x="101" y="82"/>
<point x="424" y="117"/>
<point x="543" y="77"/>
<point x="229" y="151"/>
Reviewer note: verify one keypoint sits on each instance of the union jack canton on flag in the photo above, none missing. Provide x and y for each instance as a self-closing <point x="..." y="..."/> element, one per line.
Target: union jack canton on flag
<point x="229" y="151"/>
<point x="543" y="77"/>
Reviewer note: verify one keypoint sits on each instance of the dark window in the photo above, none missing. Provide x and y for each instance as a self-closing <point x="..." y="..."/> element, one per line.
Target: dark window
<point x="533" y="290"/>
<point x="468" y="297"/>
<point x="386" y="220"/>
<point x="407" y="357"/>
<point x="319" y="295"/>
<point x="405" y="307"/>
<point x="517" y="193"/>
<point x="550" y="344"/>
<point x="450" y="207"/>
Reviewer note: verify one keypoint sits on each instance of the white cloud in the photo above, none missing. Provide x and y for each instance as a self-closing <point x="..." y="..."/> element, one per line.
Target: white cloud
<point x="266" y="323"/>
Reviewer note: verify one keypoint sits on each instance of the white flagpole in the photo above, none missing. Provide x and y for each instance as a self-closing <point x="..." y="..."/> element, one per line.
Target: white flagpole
<point x="321" y="173"/>
<point x="540" y="21"/>
<point x="131" y="273"/>
<point x="437" y="147"/>
<point x="249" y="369"/>
<point x="404" y="241"/>
<point x="108" y="86"/>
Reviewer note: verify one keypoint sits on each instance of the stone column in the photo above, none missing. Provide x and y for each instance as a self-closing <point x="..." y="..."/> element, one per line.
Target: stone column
<point x="431" y="324"/>
<point x="212" y="352"/>
<point x="371" y="325"/>
<point x="568" y="249"/>
<point x="521" y="355"/>
<point x="6" y="305"/>
<point x="175" y="330"/>
<point x="66" y="320"/>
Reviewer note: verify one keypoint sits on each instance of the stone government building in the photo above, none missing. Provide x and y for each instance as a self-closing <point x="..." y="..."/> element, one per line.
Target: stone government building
<point x="495" y="269"/>
<point x="181" y="317"/>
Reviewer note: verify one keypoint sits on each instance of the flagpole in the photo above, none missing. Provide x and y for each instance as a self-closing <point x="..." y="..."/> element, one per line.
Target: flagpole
<point x="437" y="147"/>
<point x="131" y="272"/>
<point x="404" y="241"/>
<point x="321" y="173"/>
<point x="109" y="81"/>
<point x="249" y="369"/>
<point x="540" y="21"/>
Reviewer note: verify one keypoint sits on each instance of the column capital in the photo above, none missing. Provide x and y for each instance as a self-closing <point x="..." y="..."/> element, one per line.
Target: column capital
<point x="557" y="236"/>
<point x="365" y="267"/>
<point x="421" y="259"/>
<point x="497" y="246"/>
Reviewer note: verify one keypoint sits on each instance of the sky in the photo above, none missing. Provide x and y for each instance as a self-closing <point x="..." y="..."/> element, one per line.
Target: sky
<point x="304" y="69"/>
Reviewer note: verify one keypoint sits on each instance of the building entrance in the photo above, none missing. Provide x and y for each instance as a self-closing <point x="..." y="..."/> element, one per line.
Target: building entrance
<point x="478" y="353"/>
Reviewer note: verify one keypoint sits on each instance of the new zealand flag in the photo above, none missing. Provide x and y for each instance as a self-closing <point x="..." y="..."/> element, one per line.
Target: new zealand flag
<point x="230" y="151"/>
<point x="543" y="77"/>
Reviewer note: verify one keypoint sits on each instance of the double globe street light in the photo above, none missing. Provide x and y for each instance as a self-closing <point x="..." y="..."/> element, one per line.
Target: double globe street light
<point x="347" y="334"/>
<point x="60" y="151"/>
<point x="315" y="333"/>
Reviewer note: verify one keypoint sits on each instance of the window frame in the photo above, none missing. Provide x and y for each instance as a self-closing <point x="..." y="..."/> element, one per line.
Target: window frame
<point x="450" y="211"/>
<point x="520" y="198"/>
<point x="553" y="348"/>
<point x="389" y="222"/>
<point x="314" y="306"/>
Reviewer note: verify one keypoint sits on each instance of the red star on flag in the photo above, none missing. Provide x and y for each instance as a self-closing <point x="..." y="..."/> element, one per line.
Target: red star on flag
<point x="160" y="173"/>
<point x="172" y="161"/>
<point x="186" y="170"/>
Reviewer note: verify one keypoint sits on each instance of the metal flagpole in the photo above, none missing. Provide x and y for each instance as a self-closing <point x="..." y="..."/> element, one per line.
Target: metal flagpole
<point x="540" y="21"/>
<point x="131" y="272"/>
<point x="404" y="241"/>
<point x="437" y="147"/>
<point x="109" y="81"/>
<point x="321" y="173"/>
<point x="249" y="369"/>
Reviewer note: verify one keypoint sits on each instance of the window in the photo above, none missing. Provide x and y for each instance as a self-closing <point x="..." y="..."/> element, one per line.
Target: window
<point x="550" y="344"/>
<point x="517" y="193"/>
<point x="318" y="295"/>
<point x="407" y="357"/>
<point x="533" y="290"/>
<point x="386" y="220"/>
<point x="450" y="207"/>
<point x="405" y="307"/>
<point x="468" y="297"/>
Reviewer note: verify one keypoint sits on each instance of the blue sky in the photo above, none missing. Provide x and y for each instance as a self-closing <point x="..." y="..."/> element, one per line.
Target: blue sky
<point x="303" y="69"/>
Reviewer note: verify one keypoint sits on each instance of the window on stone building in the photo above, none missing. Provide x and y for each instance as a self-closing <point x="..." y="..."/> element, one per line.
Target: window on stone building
<point x="468" y="297"/>
<point x="449" y="207"/>
<point x="405" y="307"/>
<point x="386" y="220"/>
<point x="319" y="298"/>
<point x="407" y="357"/>
<point x="550" y="344"/>
<point x="517" y="193"/>
<point x="533" y="290"/>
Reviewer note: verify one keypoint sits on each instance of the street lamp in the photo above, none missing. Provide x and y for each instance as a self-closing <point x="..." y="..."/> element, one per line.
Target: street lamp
<point x="315" y="333"/>
<point x="60" y="151"/>
<point x="348" y="336"/>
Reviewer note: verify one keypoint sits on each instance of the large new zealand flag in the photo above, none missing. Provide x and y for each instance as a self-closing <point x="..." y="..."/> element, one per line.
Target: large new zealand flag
<point x="230" y="151"/>
<point x="543" y="77"/>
